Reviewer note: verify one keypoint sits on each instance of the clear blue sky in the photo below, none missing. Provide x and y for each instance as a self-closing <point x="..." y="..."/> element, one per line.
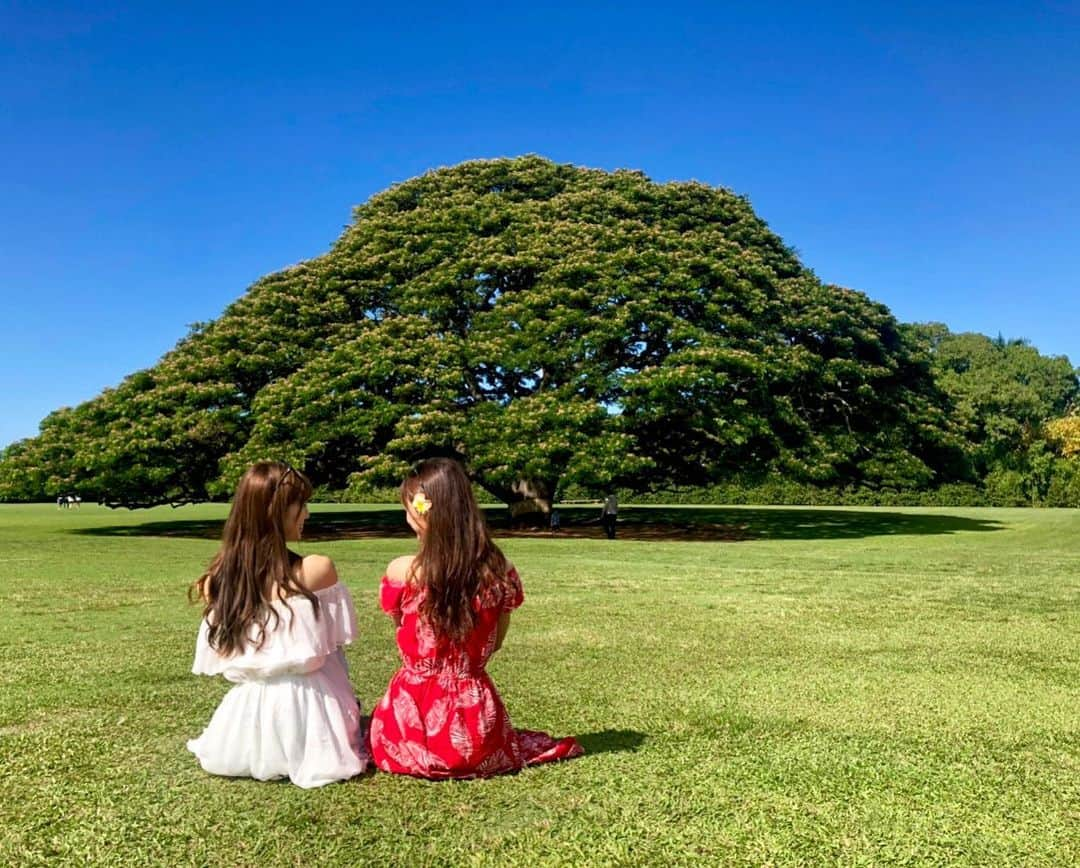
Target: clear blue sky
<point x="157" y="158"/>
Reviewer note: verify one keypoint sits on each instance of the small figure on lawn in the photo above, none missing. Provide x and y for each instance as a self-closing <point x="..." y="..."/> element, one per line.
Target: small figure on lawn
<point x="609" y="515"/>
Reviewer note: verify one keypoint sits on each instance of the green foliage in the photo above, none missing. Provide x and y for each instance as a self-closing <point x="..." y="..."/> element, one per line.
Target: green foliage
<point x="159" y="436"/>
<point x="547" y="324"/>
<point x="551" y="326"/>
<point x="24" y="472"/>
<point x="789" y="492"/>
<point x="1063" y="488"/>
<point x="1001" y="392"/>
<point x="540" y="322"/>
<point x="1005" y="487"/>
<point x="1064" y="435"/>
<point x="860" y="396"/>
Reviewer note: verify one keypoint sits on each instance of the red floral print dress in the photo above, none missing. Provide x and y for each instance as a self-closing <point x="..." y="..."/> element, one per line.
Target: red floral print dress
<point x="441" y="716"/>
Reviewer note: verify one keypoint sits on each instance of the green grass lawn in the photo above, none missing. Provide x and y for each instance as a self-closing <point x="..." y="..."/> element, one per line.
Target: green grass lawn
<point x="754" y="686"/>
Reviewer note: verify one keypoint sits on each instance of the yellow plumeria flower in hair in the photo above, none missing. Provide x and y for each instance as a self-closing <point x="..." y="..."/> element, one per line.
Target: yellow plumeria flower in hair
<point x="421" y="503"/>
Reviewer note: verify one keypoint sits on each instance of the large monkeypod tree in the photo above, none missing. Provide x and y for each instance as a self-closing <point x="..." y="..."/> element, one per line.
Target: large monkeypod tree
<point x="546" y="324"/>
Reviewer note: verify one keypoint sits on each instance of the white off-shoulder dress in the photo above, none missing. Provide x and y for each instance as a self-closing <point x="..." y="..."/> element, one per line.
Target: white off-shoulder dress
<point x="292" y="712"/>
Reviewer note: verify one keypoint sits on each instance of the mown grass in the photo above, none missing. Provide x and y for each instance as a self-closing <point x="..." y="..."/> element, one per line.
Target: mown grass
<point x="851" y="687"/>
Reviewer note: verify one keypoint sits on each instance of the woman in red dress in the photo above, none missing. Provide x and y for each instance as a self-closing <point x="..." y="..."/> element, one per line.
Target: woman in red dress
<point x="441" y="716"/>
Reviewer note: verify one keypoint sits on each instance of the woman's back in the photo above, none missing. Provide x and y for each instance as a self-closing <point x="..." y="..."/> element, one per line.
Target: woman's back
<point x="416" y="639"/>
<point x="296" y="639"/>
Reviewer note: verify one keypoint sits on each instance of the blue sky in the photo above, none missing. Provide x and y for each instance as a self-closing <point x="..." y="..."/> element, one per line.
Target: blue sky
<point x="155" y="159"/>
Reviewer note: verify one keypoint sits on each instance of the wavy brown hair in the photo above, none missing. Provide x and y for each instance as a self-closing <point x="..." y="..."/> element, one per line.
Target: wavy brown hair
<point x="254" y="565"/>
<point x="458" y="559"/>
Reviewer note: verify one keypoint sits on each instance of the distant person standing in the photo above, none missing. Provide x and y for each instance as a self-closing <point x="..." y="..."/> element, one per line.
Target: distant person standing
<point x="609" y="515"/>
<point x="556" y="521"/>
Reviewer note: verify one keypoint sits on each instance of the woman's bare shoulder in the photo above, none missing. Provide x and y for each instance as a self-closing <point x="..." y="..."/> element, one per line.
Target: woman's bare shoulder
<point x="317" y="572"/>
<point x="398" y="569"/>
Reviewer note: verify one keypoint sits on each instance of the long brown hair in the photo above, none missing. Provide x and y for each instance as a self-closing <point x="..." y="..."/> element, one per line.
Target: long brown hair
<point x="457" y="559"/>
<point x="254" y="565"/>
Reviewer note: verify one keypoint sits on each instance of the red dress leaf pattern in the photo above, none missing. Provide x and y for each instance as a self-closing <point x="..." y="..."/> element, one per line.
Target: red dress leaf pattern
<point x="422" y="757"/>
<point x="436" y="717"/>
<point x="393" y="753"/>
<point x="469" y="694"/>
<point x="425" y="640"/>
<point x="406" y="713"/>
<point x="488" y="716"/>
<point x="460" y="737"/>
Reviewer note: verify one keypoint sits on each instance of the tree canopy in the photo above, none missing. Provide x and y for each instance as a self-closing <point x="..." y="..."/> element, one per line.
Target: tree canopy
<point x="1064" y="434"/>
<point x="546" y="324"/>
<point x="1001" y="391"/>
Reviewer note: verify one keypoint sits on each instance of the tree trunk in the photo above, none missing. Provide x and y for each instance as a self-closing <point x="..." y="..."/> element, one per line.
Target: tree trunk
<point x="530" y="501"/>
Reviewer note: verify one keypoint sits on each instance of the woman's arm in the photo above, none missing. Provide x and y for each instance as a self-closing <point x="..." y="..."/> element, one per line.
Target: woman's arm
<point x="397" y="574"/>
<point x="500" y="630"/>
<point x="512" y="598"/>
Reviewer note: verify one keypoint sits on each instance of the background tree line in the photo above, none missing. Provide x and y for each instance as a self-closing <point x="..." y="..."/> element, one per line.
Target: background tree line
<point x="566" y="330"/>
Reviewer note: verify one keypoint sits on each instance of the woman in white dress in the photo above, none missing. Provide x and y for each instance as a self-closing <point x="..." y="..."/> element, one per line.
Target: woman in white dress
<point x="274" y="624"/>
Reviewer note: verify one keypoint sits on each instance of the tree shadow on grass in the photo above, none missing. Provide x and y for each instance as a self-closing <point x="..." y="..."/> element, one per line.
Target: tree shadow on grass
<point x="386" y="523"/>
<point x="612" y="741"/>
<point x="794" y="523"/>
<point x="672" y="524"/>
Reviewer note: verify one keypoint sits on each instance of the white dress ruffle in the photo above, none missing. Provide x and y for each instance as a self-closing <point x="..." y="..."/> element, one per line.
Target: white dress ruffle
<point x="292" y="712"/>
